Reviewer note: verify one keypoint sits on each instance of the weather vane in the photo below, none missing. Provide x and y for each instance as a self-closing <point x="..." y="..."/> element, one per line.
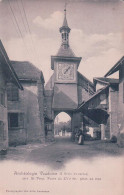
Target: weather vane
<point x="65" y="7"/>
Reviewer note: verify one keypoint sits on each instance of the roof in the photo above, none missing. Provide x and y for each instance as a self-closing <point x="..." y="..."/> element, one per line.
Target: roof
<point x="49" y="85"/>
<point x="7" y="66"/>
<point x="116" y="67"/>
<point x="65" y="20"/>
<point x="27" y="71"/>
<point x="65" y="23"/>
<point x="106" y="80"/>
<point x="84" y="78"/>
<point x="65" y="52"/>
<point x="96" y="94"/>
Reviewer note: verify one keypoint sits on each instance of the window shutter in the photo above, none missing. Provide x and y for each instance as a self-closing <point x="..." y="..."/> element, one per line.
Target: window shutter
<point x="1" y="130"/>
<point x="21" y="120"/>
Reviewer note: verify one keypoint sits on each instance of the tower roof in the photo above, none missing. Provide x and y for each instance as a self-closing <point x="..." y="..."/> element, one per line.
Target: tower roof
<point x="65" y="49"/>
<point x="65" y="24"/>
<point x="65" y="52"/>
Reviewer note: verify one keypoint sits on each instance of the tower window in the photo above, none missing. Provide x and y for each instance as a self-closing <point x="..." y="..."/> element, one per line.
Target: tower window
<point x="65" y="36"/>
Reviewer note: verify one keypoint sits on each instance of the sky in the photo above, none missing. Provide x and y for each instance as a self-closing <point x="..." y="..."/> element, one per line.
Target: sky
<point x="29" y="31"/>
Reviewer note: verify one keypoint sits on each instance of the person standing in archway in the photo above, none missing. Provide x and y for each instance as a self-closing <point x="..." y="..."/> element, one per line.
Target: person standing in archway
<point x="80" y="137"/>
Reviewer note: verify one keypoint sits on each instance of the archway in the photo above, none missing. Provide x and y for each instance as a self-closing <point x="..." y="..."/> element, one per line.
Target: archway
<point x="62" y="125"/>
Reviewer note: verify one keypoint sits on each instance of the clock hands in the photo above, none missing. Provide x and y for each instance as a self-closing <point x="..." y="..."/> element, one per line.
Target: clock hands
<point x="66" y="69"/>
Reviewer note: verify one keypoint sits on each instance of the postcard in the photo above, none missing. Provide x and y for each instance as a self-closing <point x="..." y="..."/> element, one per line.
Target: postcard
<point x="61" y="97"/>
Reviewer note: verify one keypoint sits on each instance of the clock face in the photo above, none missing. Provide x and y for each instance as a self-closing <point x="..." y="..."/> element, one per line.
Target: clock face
<point x="65" y="71"/>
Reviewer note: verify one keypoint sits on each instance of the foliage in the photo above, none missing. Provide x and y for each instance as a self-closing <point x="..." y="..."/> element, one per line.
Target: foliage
<point x="63" y="126"/>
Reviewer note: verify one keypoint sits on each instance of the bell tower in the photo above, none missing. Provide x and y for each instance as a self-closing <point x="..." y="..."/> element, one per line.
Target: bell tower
<point x="65" y="65"/>
<point x="65" y="30"/>
<point x="66" y="88"/>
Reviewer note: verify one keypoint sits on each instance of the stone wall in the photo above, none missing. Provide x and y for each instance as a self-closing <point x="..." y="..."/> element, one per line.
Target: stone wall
<point x="3" y="113"/>
<point x="48" y="102"/>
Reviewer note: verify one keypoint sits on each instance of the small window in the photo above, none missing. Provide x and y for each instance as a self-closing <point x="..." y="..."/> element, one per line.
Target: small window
<point x="12" y="92"/>
<point x="13" y="119"/>
<point x="1" y="130"/>
<point x="2" y="99"/>
<point x="123" y="92"/>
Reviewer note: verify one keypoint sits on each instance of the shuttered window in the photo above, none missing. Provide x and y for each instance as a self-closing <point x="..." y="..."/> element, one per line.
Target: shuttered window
<point x="21" y="120"/>
<point x="2" y="98"/>
<point x="16" y="120"/>
<point x="1" y="130"/>
<point x="123" y="92"/>
<point x="12" y="92"/>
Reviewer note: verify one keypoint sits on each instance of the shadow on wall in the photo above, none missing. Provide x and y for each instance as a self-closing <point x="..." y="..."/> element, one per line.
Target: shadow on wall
<point x="30" y="127"/>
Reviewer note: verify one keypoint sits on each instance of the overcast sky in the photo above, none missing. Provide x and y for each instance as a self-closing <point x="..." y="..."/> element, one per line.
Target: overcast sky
<point x="97" y="32"/>
<point x="29" y="30"/>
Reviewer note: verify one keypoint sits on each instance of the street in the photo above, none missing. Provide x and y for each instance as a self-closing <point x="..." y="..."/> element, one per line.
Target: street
<point x="63" y="150"/>
<point x="63" y="167"/>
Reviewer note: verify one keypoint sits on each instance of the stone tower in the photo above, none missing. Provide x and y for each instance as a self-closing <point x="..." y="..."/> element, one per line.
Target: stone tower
<point x="65" y="65"/>
<point x="67" y="88"/>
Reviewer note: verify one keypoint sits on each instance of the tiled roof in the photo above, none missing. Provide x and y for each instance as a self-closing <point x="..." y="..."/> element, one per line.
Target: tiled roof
<point x="94" y="95"/>
<point x="26" y="70"/>
<point x="82" y="77"/>
<point x="67" y="52"/>
<point x="49" y="85"/>
<point x="116" y="67"/>
<point x="106" y="80"/>
<point x="7" y="66"/>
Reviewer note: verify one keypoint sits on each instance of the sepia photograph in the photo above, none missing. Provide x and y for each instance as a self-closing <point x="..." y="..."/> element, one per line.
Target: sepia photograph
<point x="61" y="97"/>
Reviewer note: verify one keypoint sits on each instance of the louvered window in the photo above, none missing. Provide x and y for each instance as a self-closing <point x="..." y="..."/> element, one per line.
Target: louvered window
<point x="12" y="92"/>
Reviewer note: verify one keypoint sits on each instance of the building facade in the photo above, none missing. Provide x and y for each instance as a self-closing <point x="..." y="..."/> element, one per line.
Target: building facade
<point x="7" y="74"/>
<point x="106" y="106"/>
<point x="26" y="108"/>
<point x="119" y="66"/>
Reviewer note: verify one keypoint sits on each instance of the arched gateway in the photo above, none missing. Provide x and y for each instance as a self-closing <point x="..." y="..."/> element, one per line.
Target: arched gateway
<point x="67" y="88"/>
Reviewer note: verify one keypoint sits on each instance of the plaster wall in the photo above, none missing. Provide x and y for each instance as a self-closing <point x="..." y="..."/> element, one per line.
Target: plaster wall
<point x="113" y="110"/>
<point x="3" y="113"/>
<point x="31" y="105"/>
<point x="121" y="99"/>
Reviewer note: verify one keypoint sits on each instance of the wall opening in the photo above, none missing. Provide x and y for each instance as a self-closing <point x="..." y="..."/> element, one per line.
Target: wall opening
<point x="62" y="125"/>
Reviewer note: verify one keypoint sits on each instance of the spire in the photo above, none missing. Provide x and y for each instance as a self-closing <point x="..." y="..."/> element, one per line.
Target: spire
<point x="65" y="20"/>
<point x="65" y="49"/>
<point x="65" y="30"/>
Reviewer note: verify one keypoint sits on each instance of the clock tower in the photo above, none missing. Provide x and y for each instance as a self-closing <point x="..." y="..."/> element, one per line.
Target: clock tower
<point x="65" y="65"/>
